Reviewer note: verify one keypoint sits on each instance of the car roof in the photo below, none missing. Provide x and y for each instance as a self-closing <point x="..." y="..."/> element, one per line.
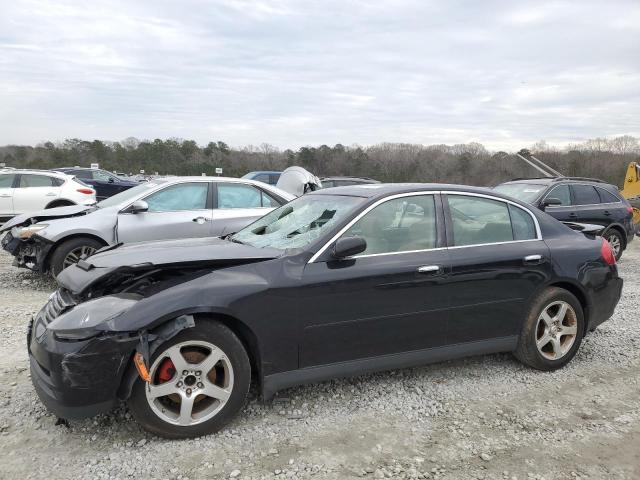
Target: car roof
<point x="375" y="190"/>
<point x="36" y="172"/>
<point x="344" y="177"/>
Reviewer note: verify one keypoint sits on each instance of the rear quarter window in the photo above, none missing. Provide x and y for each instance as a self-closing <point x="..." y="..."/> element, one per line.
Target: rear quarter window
<point x="607" y="197"/>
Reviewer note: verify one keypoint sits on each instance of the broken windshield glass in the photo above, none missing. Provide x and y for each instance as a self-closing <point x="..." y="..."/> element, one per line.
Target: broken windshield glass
<point x="299" y="222"/>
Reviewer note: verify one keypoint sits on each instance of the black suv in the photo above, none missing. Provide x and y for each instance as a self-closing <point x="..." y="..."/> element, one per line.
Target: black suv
<point x="577" y="199"/>
<point x="106" y="184"/>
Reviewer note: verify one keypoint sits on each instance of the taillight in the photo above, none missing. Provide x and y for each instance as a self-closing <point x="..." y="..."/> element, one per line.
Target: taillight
<point x="607" y="253"/>
<point x="630" y="210"/>
<point x="86" y="191"/>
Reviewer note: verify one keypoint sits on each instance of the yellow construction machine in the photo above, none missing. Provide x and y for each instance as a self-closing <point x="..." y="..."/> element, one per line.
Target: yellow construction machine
<point x="631" y="190"/>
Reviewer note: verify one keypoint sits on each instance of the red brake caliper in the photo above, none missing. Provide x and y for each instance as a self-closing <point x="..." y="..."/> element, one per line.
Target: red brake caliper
<point x="166" y="371"/>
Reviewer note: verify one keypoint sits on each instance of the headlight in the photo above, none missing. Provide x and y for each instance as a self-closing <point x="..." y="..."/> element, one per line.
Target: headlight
<point x="27" y="232"/>
<point x="84" y="321"/>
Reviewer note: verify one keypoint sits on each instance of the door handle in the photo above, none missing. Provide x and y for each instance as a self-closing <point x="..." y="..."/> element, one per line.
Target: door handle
<point x="573" y="215"/>
<point x="5" y="196"/>
<point x="533" y="259"/>
<point x="607" y="213"/>
<point x="200" y="220"/>
<point x="429" y="269"/>
<point x="50" y="194"/>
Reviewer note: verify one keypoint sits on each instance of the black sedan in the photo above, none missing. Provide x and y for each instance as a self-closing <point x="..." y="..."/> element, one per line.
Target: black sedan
<point x="337" y="282"/>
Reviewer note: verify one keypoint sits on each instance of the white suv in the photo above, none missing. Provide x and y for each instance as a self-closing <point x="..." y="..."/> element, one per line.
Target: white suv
<point x="23" y="191"/>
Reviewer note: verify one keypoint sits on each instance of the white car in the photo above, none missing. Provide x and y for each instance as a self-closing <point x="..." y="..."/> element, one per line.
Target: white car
<point x="23" y="191"/>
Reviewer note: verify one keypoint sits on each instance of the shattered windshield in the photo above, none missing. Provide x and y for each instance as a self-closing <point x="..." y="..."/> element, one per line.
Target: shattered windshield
<point x="299" y="222"/>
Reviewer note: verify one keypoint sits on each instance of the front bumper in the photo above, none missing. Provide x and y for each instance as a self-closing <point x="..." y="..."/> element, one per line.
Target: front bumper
<point x="77" y="379"/>
<point x="30" y="253"/>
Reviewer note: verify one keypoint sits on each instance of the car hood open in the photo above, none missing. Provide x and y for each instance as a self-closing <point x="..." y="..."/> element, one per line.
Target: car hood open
<point x="139" y="257"/>
<point x="48" y="214"/>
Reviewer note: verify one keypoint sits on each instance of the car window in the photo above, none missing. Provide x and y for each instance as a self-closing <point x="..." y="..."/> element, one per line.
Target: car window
<point x="129" y="194"/>
<point x="399" y="225"/>
<point x="478" y="220"/>
<point x="561" y="192"/>
<point x="328" y="184"/>
<point x="273" y="178"/>
<point x="185" y="196"/>
<point x="525" y="192"/>
<point x="522" y="224"/>
<point x="100" y="175"/>
<point x="86" y="174"/>
<point x="6" y="181"/>
<point x="269" y="201"/>
<point x="238" y="195"/>
<point x="299" y="222"/>
<point x="607" y="197"/>
<point x="30" y="181"/>
<point x="263" y="177"/>
<point x="585" y="195"/>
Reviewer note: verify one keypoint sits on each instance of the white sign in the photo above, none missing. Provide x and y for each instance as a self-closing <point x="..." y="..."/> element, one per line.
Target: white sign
<point x="142" y="172"/>
<point x="95" y="165"/>
<point x="218" y="171"/>
<point x="2" y="164"/>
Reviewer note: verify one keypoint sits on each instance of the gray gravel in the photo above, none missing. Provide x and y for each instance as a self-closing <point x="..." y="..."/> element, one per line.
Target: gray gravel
<point x="485" y="417"/>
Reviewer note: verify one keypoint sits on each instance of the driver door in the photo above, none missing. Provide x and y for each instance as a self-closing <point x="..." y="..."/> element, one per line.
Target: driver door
<point x="181" y="210"/>
<point x="392" y="298"/>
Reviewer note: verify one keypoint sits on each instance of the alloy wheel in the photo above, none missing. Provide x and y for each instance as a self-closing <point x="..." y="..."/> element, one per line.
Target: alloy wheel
<point x="556" y="330"/>
<point x="77" y="254"/>
<point x="615" y="242"/>
<point x="190" y="383"/>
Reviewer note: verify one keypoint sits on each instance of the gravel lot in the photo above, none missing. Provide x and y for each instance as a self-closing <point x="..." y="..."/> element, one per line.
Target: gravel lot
<point x="484" y="417"/>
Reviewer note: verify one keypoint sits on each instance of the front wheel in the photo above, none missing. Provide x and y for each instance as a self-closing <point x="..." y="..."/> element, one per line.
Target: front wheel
<point x="553" y="330"/>
<point x="71" y="251"/>
<point x="199" y="381"/>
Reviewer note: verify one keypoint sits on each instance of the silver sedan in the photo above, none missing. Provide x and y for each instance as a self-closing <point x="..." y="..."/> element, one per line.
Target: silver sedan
<point x="166" y="208"/>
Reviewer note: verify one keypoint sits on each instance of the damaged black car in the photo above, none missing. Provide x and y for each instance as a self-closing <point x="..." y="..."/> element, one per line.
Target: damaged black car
<point x="335" y="283"/>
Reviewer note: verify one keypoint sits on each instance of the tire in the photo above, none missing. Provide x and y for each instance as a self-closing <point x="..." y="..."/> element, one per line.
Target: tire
<point x="159" y="410"/>
<point x="61" y="203"/>
<point x="75" y="246"/>
<point x="556" y="349"/>
<point x="614" y="237"/>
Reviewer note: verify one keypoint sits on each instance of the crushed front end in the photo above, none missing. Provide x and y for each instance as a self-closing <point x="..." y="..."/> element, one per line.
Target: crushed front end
<point x="76" y="375"/>
<point x="28" y="252"/>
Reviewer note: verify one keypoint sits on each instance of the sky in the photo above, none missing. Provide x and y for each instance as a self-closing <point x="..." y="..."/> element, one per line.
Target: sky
<point x="292" y="73"/>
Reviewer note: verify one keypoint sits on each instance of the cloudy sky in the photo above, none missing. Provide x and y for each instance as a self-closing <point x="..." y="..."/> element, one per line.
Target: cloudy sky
<point x="295" y="72"/>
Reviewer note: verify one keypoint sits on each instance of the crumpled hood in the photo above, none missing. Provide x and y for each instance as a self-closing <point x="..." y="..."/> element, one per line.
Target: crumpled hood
<point x="187" y="253"/>
<point x="48" y="214"/>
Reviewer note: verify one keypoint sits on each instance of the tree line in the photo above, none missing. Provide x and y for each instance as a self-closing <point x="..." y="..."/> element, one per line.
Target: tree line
<point x="469" y="163"/>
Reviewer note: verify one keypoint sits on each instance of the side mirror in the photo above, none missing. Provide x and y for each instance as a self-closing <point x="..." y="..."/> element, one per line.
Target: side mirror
<point x="139" y="206"/>
<point x="348" y="246"/>
<point x="111" y="180"/>
<point x="549" y="202"/>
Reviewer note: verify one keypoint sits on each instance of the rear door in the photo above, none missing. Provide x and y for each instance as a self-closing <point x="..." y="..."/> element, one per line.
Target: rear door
<point x="498" y="260"/>
<point x="239" y="204"/>
<point x="34" y="192"/>
<point x="589" y="205"/>
<point x="181" y="210"/>
<point x="6" y="194"/>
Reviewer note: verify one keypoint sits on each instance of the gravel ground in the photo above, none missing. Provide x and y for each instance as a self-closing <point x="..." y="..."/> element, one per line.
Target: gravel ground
<point x="484" y="417"/>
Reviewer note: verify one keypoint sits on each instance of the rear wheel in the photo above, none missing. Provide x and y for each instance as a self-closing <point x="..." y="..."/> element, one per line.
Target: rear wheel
<point x="72" y="250"/>
<point x="614" y="238"/>
<point x="552" y="331"/>
<point x="199" y="381"/>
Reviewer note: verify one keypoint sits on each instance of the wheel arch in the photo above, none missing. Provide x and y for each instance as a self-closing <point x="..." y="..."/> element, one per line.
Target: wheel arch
<point x="580" y="294"/>
<point x="70" y="237"/>
<point x="60" y="202"/>
<point x="620" y="229"/>
<point x="244" y="333"/>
